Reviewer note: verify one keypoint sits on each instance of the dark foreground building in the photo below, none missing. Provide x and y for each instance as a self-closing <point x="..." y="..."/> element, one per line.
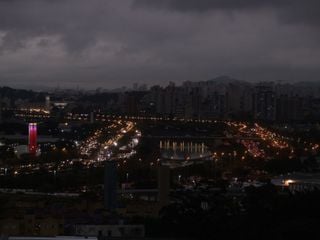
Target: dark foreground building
<point x="110" y="185"/>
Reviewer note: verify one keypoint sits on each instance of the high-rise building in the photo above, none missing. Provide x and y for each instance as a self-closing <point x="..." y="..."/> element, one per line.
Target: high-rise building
<point x="290" y="108"/>
<point x="92" y="117"/>
<point x="0" y="111"/>
<point x="169" y="99"/>
<point x="157" y="97"/>
<point x="32" y="138"/>
<point x="264" y="102"/>
<point x="110" y="185"/>
<point x="238" y="100"/>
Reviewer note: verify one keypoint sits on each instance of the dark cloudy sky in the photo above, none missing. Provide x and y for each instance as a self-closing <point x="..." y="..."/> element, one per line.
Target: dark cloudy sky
<point x="111" y="43"/>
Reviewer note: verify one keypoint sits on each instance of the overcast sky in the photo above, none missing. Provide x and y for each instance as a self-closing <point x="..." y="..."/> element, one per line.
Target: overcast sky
<point x="112" y="43"/>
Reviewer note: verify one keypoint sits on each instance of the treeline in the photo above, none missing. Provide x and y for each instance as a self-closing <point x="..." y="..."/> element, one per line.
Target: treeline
<point x="14" y="94"/>
<point x="262" y="213"/>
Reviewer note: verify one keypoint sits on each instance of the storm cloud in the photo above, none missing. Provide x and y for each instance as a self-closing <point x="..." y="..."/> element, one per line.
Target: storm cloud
<point x="294" y="11"/>
<point x="112" y="43"/>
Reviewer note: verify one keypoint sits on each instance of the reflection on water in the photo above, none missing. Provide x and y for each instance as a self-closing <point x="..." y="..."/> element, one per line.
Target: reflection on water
<point x="173" y="150"/>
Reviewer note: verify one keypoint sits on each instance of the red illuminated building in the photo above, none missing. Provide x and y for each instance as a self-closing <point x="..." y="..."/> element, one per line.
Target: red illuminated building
<point x="32" y="138"/>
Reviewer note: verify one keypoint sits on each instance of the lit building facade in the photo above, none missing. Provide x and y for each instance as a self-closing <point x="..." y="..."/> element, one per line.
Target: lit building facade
<point x="32" y="138"/>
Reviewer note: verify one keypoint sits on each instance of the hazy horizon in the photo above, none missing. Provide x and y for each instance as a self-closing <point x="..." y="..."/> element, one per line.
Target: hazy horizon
<point x="39" y="88"/>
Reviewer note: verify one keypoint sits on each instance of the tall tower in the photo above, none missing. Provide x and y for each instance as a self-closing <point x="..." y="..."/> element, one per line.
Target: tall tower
<point x="110" y="185"/>
<point x="32" y="138"/>
<point x="47" y="104"/>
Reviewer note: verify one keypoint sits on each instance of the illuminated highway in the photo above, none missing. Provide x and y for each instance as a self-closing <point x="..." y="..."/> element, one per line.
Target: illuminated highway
<point x="102" y="145"/>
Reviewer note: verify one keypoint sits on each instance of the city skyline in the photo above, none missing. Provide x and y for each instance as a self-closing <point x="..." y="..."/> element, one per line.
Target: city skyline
<point x="159" y="119"/>
<point x="112" y="44"/>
